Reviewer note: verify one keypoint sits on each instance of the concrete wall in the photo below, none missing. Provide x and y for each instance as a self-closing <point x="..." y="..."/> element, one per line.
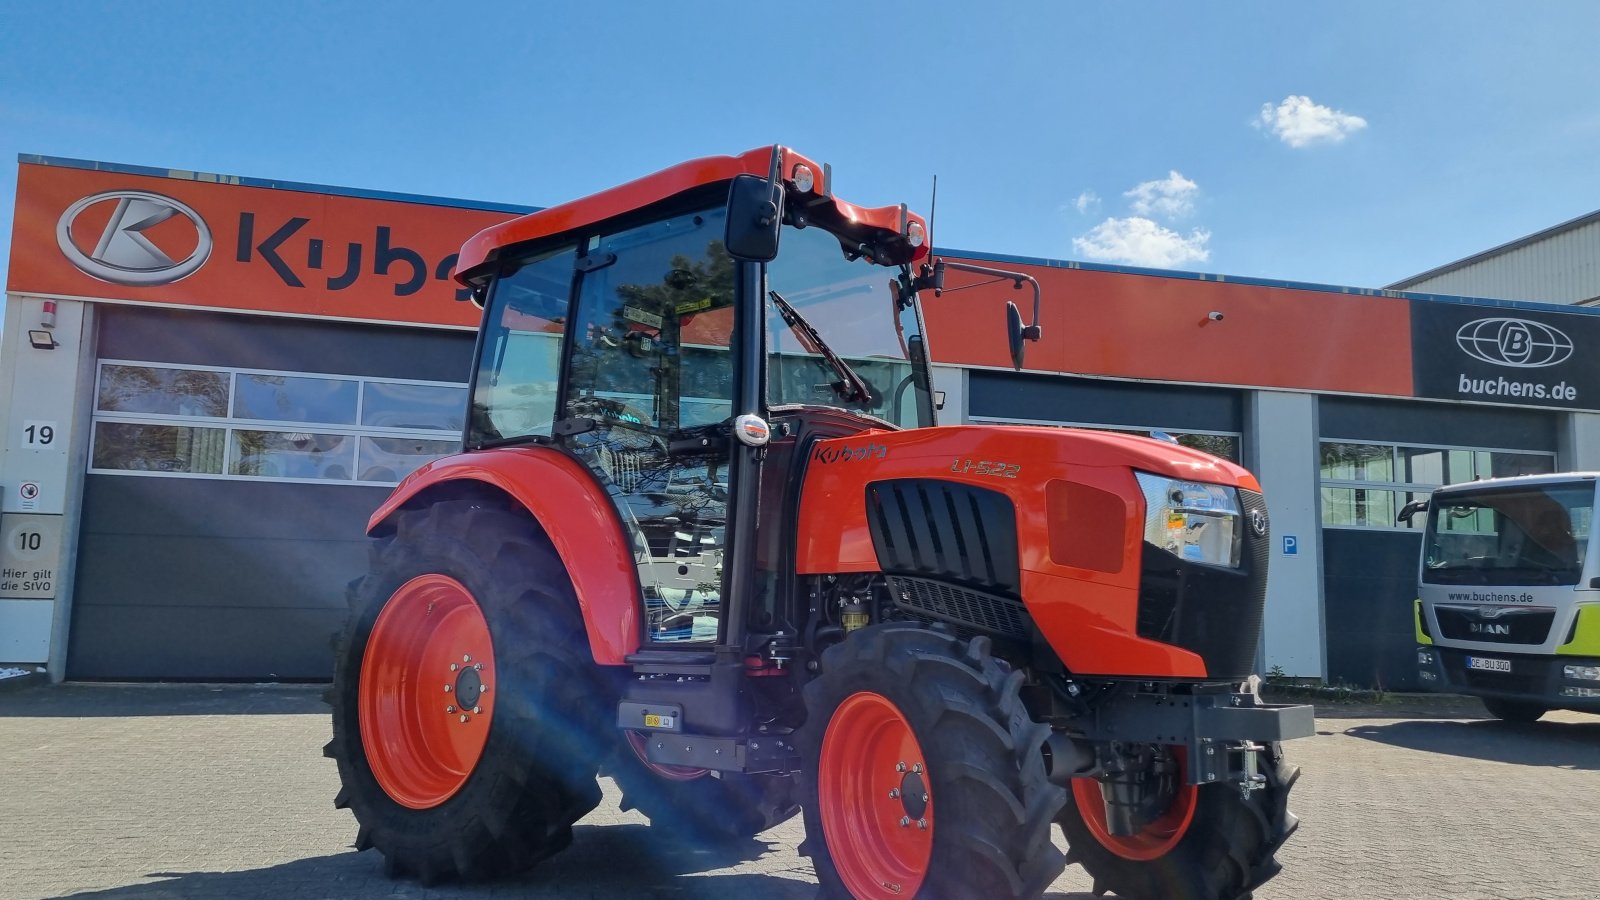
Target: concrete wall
<point x="1281" y="448"/>
<point x="42" y="411"/>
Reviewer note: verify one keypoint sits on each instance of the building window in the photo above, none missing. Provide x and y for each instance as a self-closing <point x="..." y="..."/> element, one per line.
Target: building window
<point x="1366" y="483"/>
<point x="158" y="419"/>
<point x="1217" y="443"/>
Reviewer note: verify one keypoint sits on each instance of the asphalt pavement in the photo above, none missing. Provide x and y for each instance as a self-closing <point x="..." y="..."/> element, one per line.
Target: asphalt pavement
<point x="161" y="792"/>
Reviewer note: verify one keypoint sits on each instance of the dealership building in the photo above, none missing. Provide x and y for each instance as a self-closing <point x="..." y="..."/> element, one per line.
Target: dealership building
<point x="208" y="383"/>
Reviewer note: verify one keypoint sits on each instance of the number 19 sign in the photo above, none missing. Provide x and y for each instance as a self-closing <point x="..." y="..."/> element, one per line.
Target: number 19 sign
<point x="38" y="435"/>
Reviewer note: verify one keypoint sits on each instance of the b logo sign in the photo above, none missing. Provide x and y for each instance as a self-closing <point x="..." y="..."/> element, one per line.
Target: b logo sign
<point x="1519" y="343"/>
<point x="123" y="252"/>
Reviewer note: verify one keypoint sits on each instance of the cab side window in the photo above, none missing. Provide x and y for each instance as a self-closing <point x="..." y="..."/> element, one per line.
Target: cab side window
<point x="520" y="372"/>
<point x="651" y="343"/>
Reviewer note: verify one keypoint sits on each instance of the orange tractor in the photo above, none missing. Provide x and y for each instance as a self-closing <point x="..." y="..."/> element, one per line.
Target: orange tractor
<point x="705" y="538"/>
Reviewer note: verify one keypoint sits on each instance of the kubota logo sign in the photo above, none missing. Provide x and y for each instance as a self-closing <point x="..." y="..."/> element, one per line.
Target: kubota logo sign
<point x="135" y="247"/>
<point x="1519" y="343"/>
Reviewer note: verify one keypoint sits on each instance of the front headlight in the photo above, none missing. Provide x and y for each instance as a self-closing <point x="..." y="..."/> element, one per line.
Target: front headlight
<point x="1192" y="520"/>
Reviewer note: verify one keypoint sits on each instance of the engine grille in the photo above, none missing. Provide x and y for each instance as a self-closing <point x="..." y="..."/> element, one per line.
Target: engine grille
<point x="1512" y="625"/>
<point x="974" y="612"/>
<point x="928" y="528"/>
<point x="1213" y="612"/>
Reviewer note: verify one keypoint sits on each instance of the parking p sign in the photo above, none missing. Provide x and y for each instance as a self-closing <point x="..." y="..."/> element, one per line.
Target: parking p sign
<point x="1291" y="545"/>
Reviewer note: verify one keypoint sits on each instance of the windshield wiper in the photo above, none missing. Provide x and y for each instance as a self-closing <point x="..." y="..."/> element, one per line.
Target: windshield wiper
<point x="850" y="386"/>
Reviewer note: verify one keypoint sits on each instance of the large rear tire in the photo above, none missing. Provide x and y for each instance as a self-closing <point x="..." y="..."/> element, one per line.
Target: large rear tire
<point x="465" y="702"/>
<point x="923" y="773"/>
<point x="1211" y="844"/>
<point x="1514" y="710"/>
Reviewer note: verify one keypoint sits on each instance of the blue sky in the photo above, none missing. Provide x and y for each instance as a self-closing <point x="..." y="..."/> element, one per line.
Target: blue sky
<point x="1352" y="143"/>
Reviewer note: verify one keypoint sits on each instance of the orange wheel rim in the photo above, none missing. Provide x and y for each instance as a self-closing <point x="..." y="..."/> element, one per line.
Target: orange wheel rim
<point x="875" y="799"/>
<point x="426" y="698"/>
<point x="1156" y="838"/>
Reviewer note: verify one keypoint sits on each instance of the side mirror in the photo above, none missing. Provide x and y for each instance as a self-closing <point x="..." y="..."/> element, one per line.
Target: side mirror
<point x="755" y="217"/>
<point x="1015" y="332"/>
<point x="1410" y="510"/>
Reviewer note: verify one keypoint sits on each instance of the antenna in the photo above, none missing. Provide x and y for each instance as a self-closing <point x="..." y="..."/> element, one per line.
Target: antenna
<point x="933" y="209"/>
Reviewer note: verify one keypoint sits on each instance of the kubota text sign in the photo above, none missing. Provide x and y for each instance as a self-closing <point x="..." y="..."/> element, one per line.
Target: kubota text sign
<point x="184" y="242"/>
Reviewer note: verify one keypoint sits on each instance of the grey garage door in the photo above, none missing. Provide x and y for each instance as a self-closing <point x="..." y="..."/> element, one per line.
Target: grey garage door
<point x="233" y="465"/>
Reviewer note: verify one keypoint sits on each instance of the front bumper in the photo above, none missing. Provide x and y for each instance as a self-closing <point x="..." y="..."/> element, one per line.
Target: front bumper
<point x="1536" y="679"/>
<point x="1222" y="731"/>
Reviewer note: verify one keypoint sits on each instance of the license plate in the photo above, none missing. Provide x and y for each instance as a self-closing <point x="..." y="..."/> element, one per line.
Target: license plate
<point x="1488" y="665"/>
<point x="652" y="720"/>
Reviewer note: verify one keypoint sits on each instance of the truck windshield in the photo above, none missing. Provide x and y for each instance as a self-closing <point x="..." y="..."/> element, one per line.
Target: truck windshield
<point x="1511" y="536"/>
<point x="856" y="309"/>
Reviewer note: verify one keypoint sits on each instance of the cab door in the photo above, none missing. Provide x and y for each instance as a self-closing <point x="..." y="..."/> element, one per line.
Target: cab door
<point x="648" y="368"/>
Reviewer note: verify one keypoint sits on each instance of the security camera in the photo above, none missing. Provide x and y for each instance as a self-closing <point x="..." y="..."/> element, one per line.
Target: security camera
<point x="1214" y="316"/>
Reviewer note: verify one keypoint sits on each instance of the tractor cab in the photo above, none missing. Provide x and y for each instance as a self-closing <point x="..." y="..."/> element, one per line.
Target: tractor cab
<point x="639" y="342"/>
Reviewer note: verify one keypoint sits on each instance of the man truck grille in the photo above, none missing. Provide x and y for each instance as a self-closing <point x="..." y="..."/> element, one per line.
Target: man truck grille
<point x="1503" y="625"/>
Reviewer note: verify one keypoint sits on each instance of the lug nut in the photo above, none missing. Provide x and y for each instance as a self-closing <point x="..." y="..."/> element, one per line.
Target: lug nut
<point x="483" y="689"/>
<point x="894" y="793"/>
<point x="466" y="658"/>
<point x="916" y="768"/>
<point x="905" y="821"/>
<point x="924" y="798"/>
<point x="899" y="767"/>
<point x="447" y="689"/>
<point x="449" y="709"/>
<point x="478" y="666"/>
<point x="454" y="667"/>
<point x="464" y="719"/>
<point x="477" y="710"/>
<point x="922" y="824"/>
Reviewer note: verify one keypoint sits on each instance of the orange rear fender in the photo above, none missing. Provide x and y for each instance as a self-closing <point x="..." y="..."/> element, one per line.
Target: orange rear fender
<point x="579" y="519"/>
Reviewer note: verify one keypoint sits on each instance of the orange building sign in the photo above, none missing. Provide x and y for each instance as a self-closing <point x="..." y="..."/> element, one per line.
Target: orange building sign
<point x="89" y="231"/>
<point x="106" y="235"/>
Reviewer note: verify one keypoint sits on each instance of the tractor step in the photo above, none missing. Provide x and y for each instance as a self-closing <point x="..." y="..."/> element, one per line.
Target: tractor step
<point x="672" y="662"/>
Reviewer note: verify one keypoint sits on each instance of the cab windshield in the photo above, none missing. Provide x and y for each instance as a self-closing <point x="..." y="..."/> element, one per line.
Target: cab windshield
<point x="1528" y="536"/>
<point x="857" y="309"/>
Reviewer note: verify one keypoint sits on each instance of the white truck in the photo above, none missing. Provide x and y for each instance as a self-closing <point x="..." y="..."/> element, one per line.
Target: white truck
<point x="1508" y="605"/>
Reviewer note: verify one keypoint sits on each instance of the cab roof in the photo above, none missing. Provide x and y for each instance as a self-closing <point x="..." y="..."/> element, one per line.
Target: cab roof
<point x="884" y="224"/>
<point x="1512" y="481"/>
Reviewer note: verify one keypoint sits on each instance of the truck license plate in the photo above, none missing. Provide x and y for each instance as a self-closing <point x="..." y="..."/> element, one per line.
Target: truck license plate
<point x="1488" y="665"/>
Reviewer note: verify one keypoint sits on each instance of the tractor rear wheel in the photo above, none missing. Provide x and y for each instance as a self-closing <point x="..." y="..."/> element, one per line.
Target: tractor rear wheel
<point x="1210" y="843"/>
<point x="1514" y="710"/>
<point x="465" y="706"/>
<point x="698" y="805"/>
<point x="923" y="774"/>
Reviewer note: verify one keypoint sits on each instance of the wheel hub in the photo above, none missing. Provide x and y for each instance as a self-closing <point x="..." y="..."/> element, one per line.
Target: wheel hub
<point x="913" y="795"/>
<point x="469" y="686"/>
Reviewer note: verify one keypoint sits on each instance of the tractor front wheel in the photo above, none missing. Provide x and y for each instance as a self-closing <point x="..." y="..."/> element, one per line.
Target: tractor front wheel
<point x="1206" y="843"/>
<point x="465" y="703"/>
<point x="923" y="773"/>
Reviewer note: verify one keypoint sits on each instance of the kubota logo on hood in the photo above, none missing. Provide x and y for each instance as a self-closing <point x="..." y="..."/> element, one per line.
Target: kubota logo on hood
<point x="123" y="252"/>
<point x="1519" y="343"/>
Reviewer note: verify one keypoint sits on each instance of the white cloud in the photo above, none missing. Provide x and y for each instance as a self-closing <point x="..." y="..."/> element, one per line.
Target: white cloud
<point x="1086" y="201"/>
<point x="1299" y="122"/>
<point x="1170" y="198"/>
<point x="1139" y="241"/>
